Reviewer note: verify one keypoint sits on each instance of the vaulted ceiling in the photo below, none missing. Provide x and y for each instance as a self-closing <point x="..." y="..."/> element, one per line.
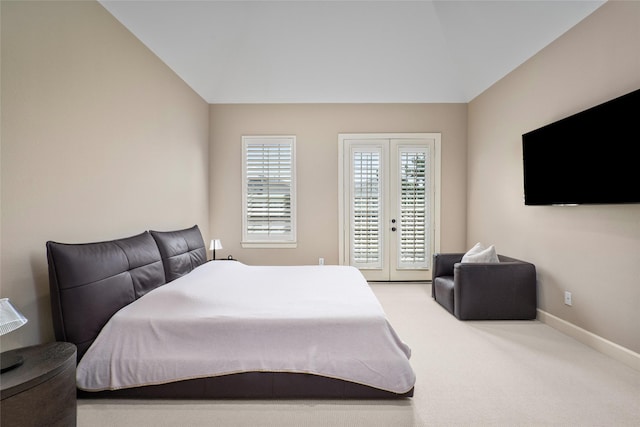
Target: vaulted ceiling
<point x="345" y="51"/>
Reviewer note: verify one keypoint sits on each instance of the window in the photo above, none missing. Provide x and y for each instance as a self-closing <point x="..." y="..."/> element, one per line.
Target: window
<point x="413" y="207"/>
<point x="366" y="206"/>
<point x="269" y="192"/>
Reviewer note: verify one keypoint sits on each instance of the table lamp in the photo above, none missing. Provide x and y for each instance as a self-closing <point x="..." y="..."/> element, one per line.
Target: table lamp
<point x="10" y="320"/>
<point x="215" y="244"/>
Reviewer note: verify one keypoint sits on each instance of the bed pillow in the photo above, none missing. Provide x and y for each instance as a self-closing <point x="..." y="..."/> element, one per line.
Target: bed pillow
<point x="181" y="251"/>
<point x="479" y="253"/>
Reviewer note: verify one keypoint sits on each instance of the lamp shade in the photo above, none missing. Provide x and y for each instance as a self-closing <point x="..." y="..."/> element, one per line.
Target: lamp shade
<point x="10" y="318"/>
<point x="215" y="245"/>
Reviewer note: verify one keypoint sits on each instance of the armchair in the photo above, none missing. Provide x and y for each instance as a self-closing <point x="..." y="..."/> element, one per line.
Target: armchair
<point x="485" y="291"/>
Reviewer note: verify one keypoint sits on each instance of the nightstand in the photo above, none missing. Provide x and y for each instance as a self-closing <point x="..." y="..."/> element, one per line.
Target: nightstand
<point x="224" y="259"/>
<point x="41" y="391"/>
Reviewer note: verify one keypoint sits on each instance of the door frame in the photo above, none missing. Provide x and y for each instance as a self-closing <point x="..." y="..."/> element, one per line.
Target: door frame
<point x="343" y="237"/>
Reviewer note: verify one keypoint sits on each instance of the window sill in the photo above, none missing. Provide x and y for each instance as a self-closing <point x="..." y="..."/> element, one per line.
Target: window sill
<point x="269" y="245"/>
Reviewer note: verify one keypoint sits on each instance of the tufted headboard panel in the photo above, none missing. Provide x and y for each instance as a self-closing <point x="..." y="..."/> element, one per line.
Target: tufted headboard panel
<point x="90" y="282"/>
<point x="181" y="251"/>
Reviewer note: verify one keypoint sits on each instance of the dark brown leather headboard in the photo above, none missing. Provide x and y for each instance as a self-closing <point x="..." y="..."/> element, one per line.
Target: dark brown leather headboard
<point x="181" y="251"/>
<point x="90" y="282"/>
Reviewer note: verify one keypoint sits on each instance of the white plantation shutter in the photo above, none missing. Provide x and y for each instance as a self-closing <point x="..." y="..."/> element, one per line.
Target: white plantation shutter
<point x="269" y="190"/>
<point x="412" y="221"/>
<point x="366" y="208"/>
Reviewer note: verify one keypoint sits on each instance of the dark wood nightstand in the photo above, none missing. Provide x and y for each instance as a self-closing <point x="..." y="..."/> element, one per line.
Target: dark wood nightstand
<point x="41" y="391"/>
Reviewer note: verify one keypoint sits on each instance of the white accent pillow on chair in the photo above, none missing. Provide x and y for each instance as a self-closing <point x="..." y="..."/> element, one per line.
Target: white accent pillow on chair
<point x="479" y="253"/>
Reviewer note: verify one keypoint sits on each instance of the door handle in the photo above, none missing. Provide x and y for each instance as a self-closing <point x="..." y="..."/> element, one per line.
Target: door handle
<point x="393" y="229"/>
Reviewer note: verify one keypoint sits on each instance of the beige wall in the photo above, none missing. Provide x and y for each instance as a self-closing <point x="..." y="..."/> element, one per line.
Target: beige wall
<point x="591" y="251"/>
<point x="316" y="127"/>
<point x="100" y="140"/>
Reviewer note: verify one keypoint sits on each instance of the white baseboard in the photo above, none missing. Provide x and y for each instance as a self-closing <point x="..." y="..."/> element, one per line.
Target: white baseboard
<point x="611" y="349"/>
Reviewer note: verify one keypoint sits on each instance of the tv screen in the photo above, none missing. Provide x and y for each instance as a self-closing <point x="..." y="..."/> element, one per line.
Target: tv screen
<point x="592" y="157"/>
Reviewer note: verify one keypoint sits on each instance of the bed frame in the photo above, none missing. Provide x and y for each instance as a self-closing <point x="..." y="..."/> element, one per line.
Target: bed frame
<point x="90" y="282"/>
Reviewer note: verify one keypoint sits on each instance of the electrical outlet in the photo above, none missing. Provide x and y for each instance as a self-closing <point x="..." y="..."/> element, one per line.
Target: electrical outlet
<point x="567" y="298"/>
<point x="320" y="261"/>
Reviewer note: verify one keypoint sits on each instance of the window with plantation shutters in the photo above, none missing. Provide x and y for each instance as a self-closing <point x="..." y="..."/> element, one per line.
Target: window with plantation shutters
<point x="366" y="208"/>
<point x="412" y="209"/>
<point x="269" y="191"/>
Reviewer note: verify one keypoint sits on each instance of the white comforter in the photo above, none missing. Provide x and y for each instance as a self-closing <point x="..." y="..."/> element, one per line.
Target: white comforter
<point x="227" y="317"/>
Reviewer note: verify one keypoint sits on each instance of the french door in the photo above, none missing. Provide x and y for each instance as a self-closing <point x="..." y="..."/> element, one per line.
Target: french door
<point x="388" y="204"/>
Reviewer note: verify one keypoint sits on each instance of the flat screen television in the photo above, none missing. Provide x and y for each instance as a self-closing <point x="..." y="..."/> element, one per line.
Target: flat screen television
<point x="592" y="157"/>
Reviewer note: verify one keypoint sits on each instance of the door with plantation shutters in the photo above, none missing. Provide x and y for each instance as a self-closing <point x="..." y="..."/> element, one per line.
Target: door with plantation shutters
<point x="389" y="204"/>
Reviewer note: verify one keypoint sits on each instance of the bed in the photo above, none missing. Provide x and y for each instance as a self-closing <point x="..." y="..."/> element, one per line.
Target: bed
<point x="152" y="318"/>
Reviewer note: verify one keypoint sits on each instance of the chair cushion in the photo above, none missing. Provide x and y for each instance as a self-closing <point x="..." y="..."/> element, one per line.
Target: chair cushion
<point x="443" y="290"/>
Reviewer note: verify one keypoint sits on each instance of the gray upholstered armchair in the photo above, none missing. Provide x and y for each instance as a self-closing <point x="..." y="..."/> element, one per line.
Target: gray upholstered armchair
<point x="485" y="291"/>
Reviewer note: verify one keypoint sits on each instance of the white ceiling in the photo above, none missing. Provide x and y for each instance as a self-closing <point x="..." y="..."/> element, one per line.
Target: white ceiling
<point x="346" y="51"/>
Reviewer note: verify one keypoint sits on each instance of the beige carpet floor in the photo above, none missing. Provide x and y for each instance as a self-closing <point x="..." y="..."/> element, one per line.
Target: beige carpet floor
<point x="507" y="373"/>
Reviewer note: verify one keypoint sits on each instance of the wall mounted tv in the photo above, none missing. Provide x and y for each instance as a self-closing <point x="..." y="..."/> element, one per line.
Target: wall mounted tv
<point x="592" y="157"/>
